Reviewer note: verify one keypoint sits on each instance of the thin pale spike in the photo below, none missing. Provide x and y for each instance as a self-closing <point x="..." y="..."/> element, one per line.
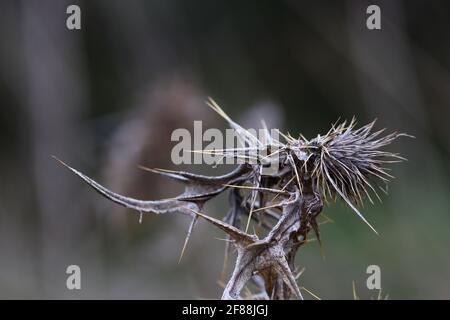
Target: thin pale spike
<point x="285" y="136"/>
<point x="282" y="189"/>
<point x="256" y="188"/>
<point x="355" y="296"/>
<point x="269" y="207"/>
<point x="299" y="273"/>
<point x="234" y="232"/>
<point x="255" y="194"/>
<point x="211" y="103"/>
<point x="188" y="235"/>
<point x="291" y="160"/>
<point x="349" y="202"/>
<point x="311" y="293"/>
<point x="225" y="240"/>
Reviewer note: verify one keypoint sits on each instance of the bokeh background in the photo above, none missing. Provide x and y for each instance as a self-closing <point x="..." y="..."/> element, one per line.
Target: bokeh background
<point x="107" y="97"/>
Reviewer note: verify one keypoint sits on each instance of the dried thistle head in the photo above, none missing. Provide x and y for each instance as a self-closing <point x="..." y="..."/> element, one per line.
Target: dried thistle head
<point x="346" y="162"/>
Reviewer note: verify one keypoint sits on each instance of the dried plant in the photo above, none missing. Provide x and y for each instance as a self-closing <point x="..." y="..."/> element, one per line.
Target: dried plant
<point x="345" y="163"/>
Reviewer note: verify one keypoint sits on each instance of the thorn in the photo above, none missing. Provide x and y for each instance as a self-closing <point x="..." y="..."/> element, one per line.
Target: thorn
<point x="355" y="296"/>
<point x="251" y="211"/>
<point x="311" y="293"/>
<point x="225" y="261"/>
<point x="299" y="273"/>
<point x="188" y="235"/>
<point x="349" y="202"/>
<point x="221" y="284"/>
<point x="234" y="232"/>
<point x="256" y="188"/>
<point x="225" y="240"/>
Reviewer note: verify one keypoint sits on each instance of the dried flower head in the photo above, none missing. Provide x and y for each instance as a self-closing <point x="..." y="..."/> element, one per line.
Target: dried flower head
<point x="346" y="162"/>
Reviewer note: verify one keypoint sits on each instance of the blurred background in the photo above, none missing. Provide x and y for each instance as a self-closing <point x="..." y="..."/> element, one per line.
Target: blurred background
<point x="106" y="99"/>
